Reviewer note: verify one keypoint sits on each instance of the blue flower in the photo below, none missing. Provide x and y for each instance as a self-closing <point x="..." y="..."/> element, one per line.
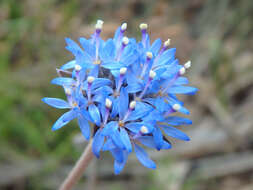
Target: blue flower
<point x="127" y="90"/>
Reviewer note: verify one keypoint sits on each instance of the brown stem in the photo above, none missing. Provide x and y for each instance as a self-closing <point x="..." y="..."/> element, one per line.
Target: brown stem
<point x="79" y="168"/>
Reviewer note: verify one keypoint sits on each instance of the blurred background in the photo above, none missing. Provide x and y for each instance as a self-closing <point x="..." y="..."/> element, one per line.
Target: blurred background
<point x="216" y="35"/>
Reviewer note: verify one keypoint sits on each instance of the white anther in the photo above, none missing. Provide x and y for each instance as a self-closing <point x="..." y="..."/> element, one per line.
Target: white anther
<point x="78" y="67"/>
<point x="187" y="65"/>
<point x="132" y="105"/>
<point x="123" y="26"/>
<point x="108" y="103"/>
<point x="90" y="79"/>
<point x="99" y="24"/>
<point x="67" y="91"/>
<point x="182" y="71"/>
<point x="167" y="43"/>
<point x="149" y="55"/>
<point x="176" y="107"/>
<point x="123" y="70"/>
<point x="125" y="40"/>
<point x="152" y="74"/>
<point x="143" y="26"/>
<point x="144" y="129"/>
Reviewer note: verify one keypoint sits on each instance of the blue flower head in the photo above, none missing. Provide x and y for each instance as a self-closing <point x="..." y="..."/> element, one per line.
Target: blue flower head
<point x="127" y="90"/>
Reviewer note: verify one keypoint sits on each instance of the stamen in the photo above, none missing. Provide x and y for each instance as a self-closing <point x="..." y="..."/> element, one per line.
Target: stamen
<point x="187" y="65"/>
<point x="132" y="105"/>
<point x="143" y="27"/>
<point x="166" y="44"/>
<point x="125" y="40"/>
<point x="149" y="56"/>
<point x="123" y="70"/>
<point x="67" y="91"/>
<point x="182" y="71"/>
<point x="108" y="103"/>
<point x="90" y="79"/>
<point x="99" y="25"/>
<point x="176" y="107"/>
<point x="152" y="74"/>
<point x="123" y="27"/>
<point x="78" y="67"/>
<point x="144" y="129"/>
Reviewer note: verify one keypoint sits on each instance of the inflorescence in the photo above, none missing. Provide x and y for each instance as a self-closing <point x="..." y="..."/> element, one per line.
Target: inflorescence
<point x="127" y="90"/>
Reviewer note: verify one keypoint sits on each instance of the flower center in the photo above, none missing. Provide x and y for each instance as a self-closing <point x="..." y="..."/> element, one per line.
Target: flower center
<point x="121" y="123"/>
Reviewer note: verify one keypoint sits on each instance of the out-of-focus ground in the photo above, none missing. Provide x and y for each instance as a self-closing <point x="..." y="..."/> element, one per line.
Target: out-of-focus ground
<point x="216" y="35"/>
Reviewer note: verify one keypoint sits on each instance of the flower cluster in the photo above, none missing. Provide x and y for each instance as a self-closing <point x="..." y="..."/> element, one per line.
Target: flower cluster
<point x="127" y="90"/>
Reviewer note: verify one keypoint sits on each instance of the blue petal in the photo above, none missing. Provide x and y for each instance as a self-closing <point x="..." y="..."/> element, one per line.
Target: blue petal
<point x="175" y="120"/>
<point x="149" y="142"/>
<point x="94" y="114"/>
<point x="158" y="138"/>
<point x="134" y="127"/>
<point x="116" y="139"/>
<point x="125" y="139"/>
<point x="115" y="107"/>
<point x="118" y="166"/>
<point x="110" y="128"/>
<point x="175" y="133"/>
<point x="143" y="157"/>
<point x="72" y="46"/>
<point x="64" y="119"/>
<point x="84" y="126"/>
<point x="141" y="109"/>
<point x="182" y="90"/>
<point x="56" y="103"/>
<point x="88" y="47"/>
<point x="63" y="81"/>
<point x="98" y="142"/>
<point x="112" y="65"/>
<point x="156" y="46"/>
<point x="123" y="102"/>
<point x="117" y="154"/>
<point x="181" y="81"/>
<point x="69" y="65"/>
<point x="108" y="145"/>
<point x="108" y="52"/>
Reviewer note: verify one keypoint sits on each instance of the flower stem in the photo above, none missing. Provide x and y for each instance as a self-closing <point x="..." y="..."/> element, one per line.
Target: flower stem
<point x="79" y="168"/>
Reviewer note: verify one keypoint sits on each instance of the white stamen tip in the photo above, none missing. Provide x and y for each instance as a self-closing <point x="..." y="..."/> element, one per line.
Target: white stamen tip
<point x="123" y="70"/>
<point x="90" y="79"/>
<point x="152" y="74"/>
<point x="125" y="40"/>
<point x="99" y="24"/>
<point x="167" y="43"/>
<point x="149" y="55"/>
<point x="108" y="103"/>
<point x="143" y="26"/>
<point x="78" y="67"/>
<point x="187" y="65"/>
<point x="132" y="105"/>
<point x="67" y="91"/>
<point x="176" y="107"/>
<point x="144" y="129"/>
<point x="182" y="71"/>
<point x="123" y="26"/>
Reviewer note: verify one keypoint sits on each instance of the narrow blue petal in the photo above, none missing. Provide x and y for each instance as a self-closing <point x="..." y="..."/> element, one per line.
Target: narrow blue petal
<point x="63" y="81"/>
<point x="56" y="103"/>
<point x="181" y="81"/>
<point x="134" y="87"/>
<point x="175" y="120"/>
<point x="134" y="127"/>
<point x="88" y="47"/>
<point x="94" y="114"/>
<point x="69" y="65"/>
<point x="98" y="142"/>
<point x="99" y="82"/>
<point x="112" y="65"/>
<point x="182" y="90"/>
<point x="125" y="139"/>
<point x="115" y="107"/>
<point x="123" y="102"/>
<point x="64" y="119"/>
<point x="108" y="52"/>
<point x="110" y="128"/>
<point x="175" y="133"/>
<point x="149" y="142"/>
<point x="117" y="154"/>
<point x="141" y="109"/>
<point x="118" y="166"/>
<point x="116" y="139"/>
<point x="72" y="46"/>
<point x="129" y="58"/>
<point x="108" y="145"/>
<point x="84" y="126"/>
<point x="158" y="138"/>
<point x="143" y="157"/>
<point x="156" y="46"/>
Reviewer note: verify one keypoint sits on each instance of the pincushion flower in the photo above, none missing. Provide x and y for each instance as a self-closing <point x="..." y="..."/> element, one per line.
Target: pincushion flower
<point x="127" y="90"/>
